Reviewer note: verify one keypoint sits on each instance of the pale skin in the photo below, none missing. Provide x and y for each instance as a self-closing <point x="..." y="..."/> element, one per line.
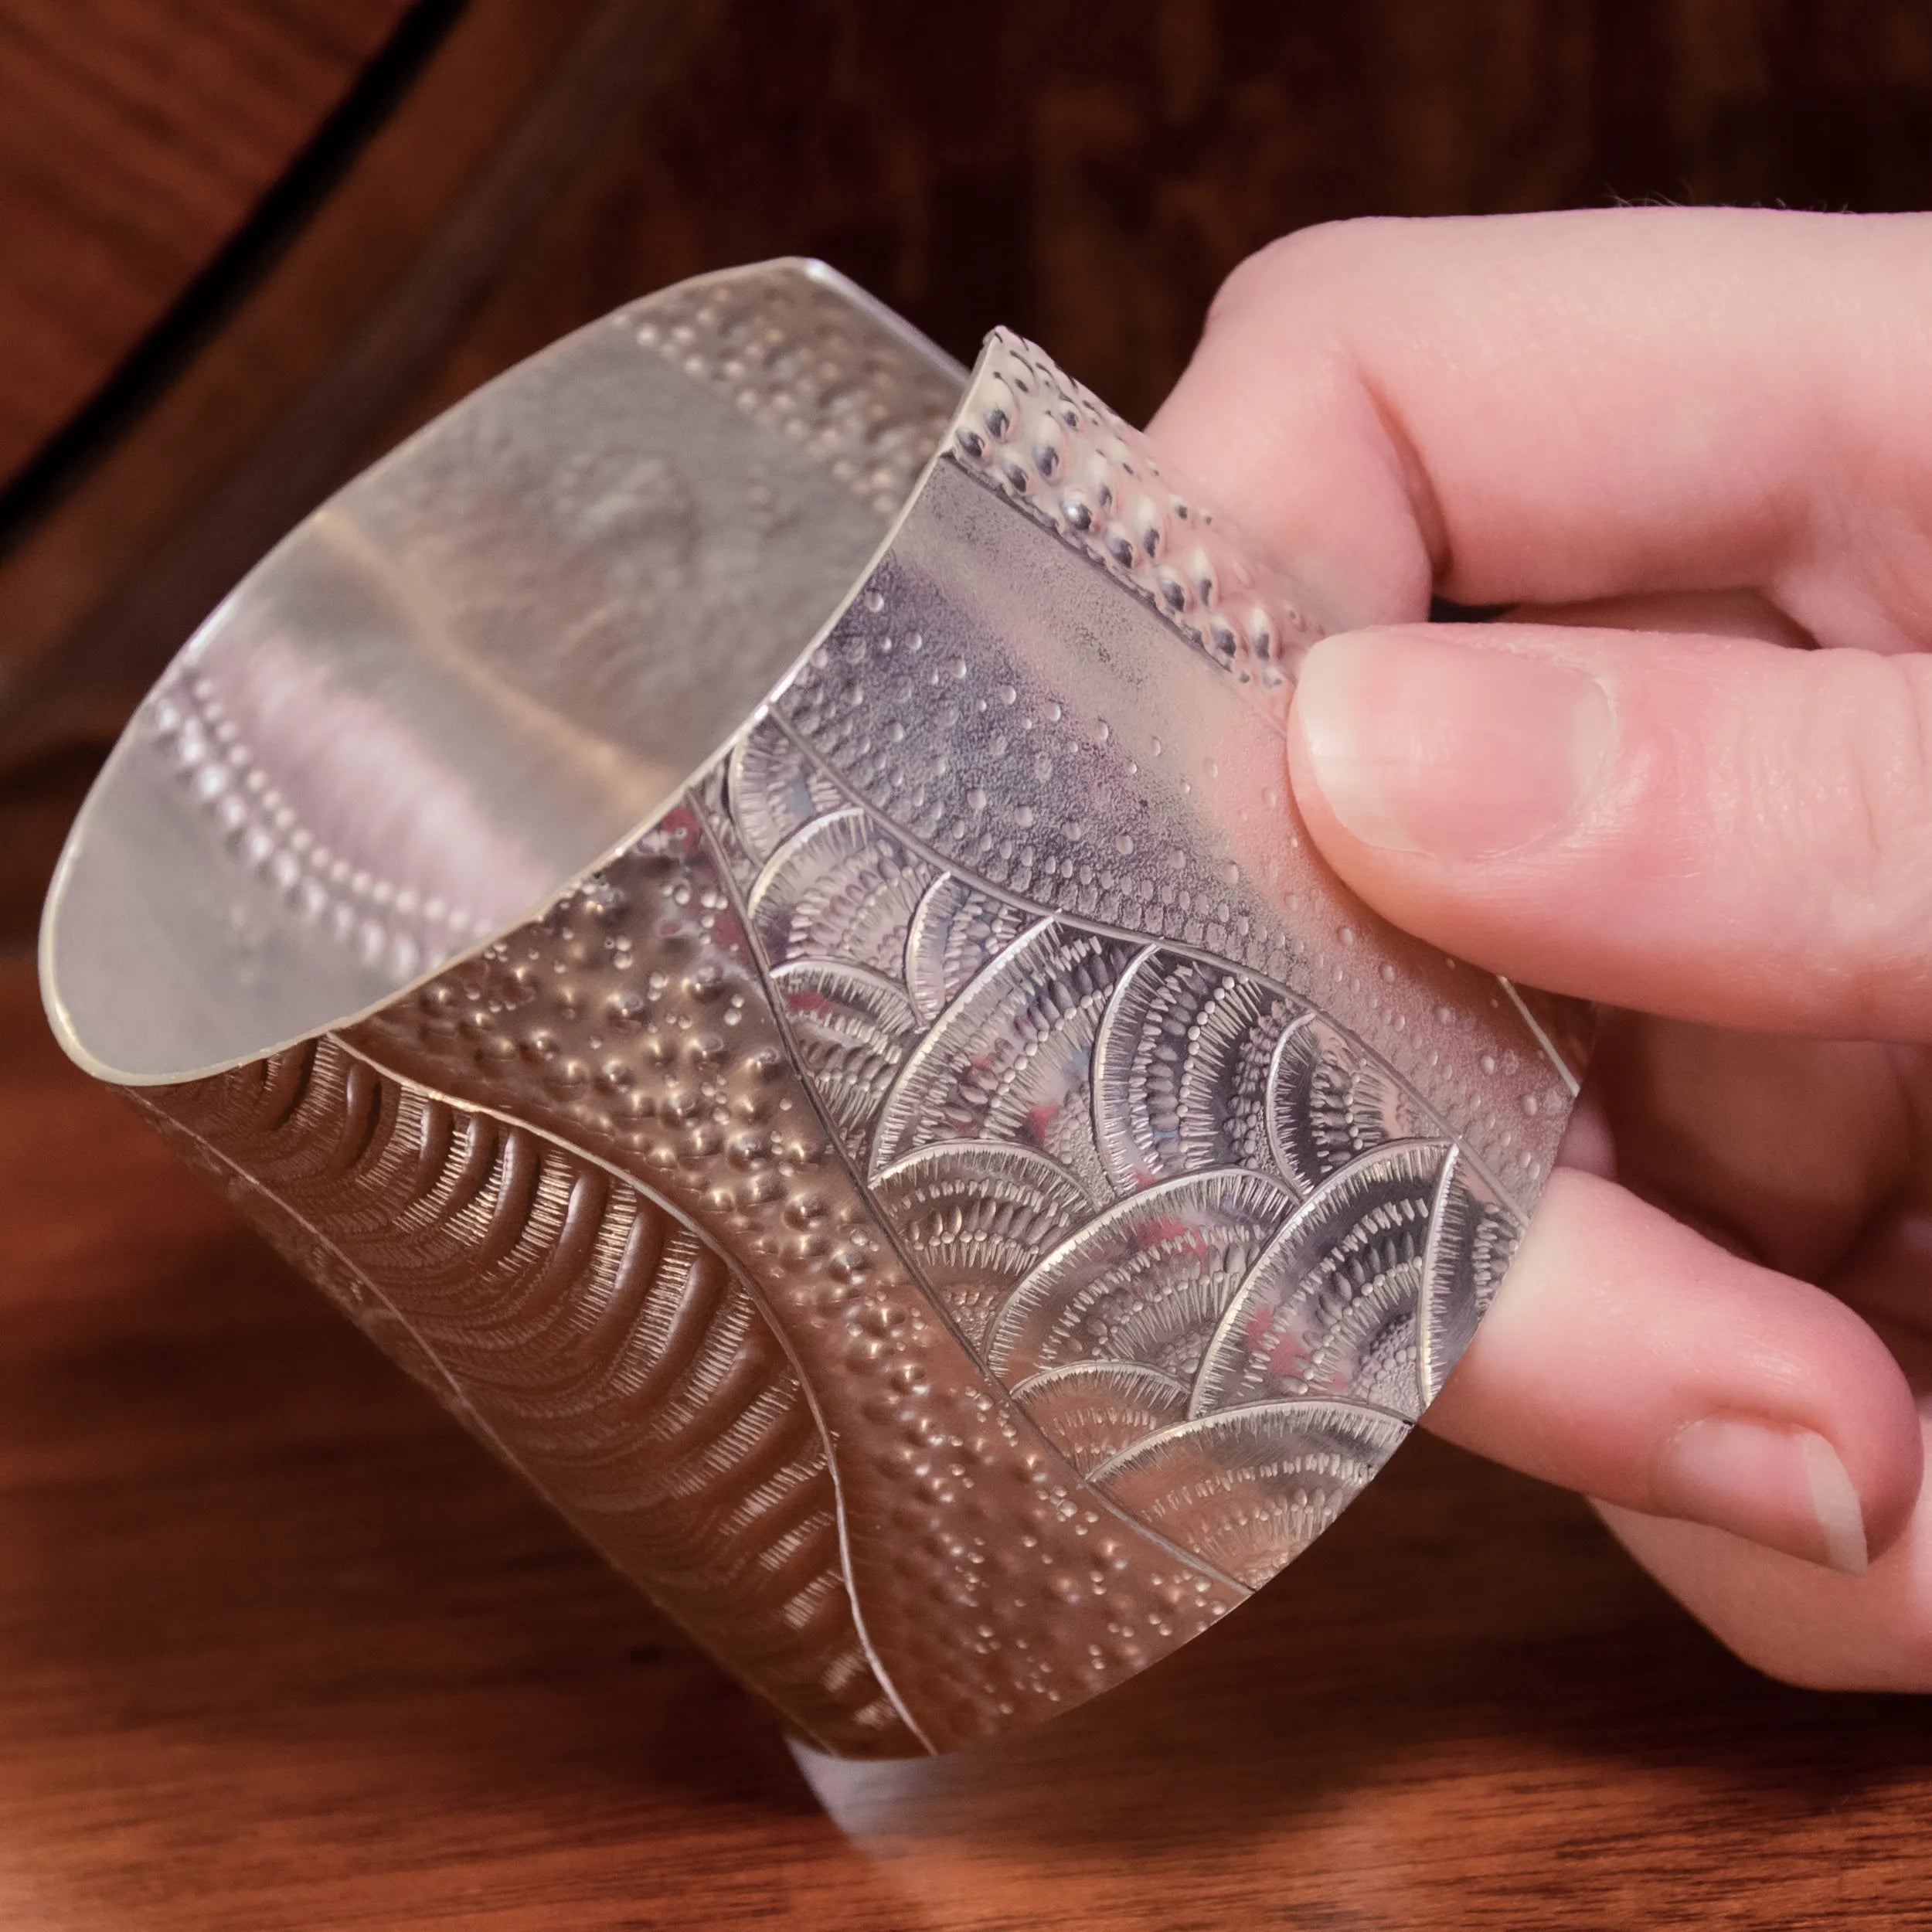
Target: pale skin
<point x="1686" y="447"/>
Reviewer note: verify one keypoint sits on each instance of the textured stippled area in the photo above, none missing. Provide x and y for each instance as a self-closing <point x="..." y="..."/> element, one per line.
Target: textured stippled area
<point x="356" y="906"/>
<point x="590" y="1336"/>
<point x="990" y="1583"/>
<point x="801" y="360"/>
<point x="1050" y="445"/>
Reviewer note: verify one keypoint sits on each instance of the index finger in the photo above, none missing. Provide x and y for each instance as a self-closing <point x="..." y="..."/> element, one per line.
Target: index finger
<point x="1547" y="408"/>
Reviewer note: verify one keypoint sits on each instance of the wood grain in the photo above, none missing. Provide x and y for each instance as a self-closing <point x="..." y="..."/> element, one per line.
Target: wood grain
<point x="279" y="1647"/>
<point x="136" y="140"/>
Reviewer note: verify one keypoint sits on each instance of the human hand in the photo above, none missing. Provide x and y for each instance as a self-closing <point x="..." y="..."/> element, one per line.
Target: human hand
<point x="1683" y="444"/>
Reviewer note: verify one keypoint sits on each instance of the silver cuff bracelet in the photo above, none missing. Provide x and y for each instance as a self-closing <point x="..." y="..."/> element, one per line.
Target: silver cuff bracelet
<point x="735" y="904"/>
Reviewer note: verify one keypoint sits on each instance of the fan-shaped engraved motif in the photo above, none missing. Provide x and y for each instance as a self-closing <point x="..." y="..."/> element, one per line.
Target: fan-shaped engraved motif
<point x="1472" y="1236"/>
<point x="1011" y="1058"/>
<point x="1330" y="1100"/>
<point x="974" y="1217"/>
<point x="1248" y="1490"/>
<point x="850" y="1030"/>
<point x="1145" y="1283"/>
<point x="842" y="888"/>
<point x="1181" y="1070"/>
<point x="773" y="786"/>
<point x="1091" y="1411"/>
<point x="1331" y="1308"/>
<point x="587" y="1333"/>
<point x="956" y="928"/>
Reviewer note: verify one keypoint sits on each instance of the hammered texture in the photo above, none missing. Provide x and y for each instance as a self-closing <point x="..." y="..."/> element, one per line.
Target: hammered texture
<point x="391" y="922"/>
<point x="800" y="359"/>
<point x="990" y="1582"/>
<point x="1051" y="446"/>
<point x="593" y="1337"/>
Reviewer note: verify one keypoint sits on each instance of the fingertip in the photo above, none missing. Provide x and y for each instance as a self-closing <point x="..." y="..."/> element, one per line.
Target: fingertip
<point x="1382" y="736"/>
<point x="1799" y="1622"/>
<point x="1628" y="1357"/>
<point x="1878" y="1437"/>
<point x="1319" y="713"/>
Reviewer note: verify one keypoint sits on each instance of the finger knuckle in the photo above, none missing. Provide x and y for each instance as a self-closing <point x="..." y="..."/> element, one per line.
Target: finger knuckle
<point x="1310" y="266"/>
<point x="1849" y="796"/>
<point x="1864" y="771"/>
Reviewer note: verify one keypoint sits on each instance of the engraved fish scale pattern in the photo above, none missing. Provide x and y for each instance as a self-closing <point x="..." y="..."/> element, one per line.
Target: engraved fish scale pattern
<point x="1250" y="1488"/>
<point x="1011" y="1060"/>
<point x="838" y="889"/>
<point x="851" y="1029"/>
<point x="779" y="786"/>
<point x="1216" y="1248"/>
<point x="1330" y="1307"/>
<point x="1144" y="1282"/>
<point x="1329" y="1103"/>
<point x="957" y="931"/>
<point x="587" y="1333"/>
<point x="1097" y="1410"/>
<point x="1009" y="773"/>
<point x="975" y="1217"/>
<point x="1066" y="1155"/>
<point x="1183" y="1070"/>
<point x="1472" y="1239"/>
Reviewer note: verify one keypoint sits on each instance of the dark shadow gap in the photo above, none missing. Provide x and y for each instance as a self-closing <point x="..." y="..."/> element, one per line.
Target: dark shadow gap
<point x="216" y="290"/>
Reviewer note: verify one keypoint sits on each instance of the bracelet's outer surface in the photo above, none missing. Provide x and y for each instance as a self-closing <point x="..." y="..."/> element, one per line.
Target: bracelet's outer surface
<point x="962" y="1195"/>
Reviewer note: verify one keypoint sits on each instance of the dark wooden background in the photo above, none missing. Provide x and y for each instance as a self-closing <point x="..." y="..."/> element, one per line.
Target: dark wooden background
<point x="277" y="1647"/>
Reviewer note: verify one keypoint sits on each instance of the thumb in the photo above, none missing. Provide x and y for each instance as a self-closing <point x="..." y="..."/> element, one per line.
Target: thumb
<point x="1715" y="829"/>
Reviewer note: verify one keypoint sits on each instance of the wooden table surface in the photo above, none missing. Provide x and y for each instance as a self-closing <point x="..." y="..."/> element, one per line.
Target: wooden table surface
<point x="134" y="143"/>
<point x="279" y="1647"/>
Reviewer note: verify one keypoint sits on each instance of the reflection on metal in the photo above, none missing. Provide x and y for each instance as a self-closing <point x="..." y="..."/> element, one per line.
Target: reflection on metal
<point x="735" y="903"/>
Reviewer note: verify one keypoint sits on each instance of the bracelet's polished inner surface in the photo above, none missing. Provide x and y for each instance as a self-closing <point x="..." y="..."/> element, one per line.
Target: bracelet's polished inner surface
<point x="737" y="907"/>
<point x="478" y="668"/>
